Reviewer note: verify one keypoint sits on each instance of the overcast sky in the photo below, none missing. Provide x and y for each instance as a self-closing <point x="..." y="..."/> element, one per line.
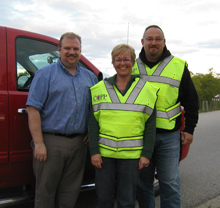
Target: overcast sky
<point x="191" y="27"/>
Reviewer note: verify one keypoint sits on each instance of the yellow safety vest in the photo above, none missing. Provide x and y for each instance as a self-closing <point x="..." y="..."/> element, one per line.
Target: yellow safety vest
<point x="122" y="118"/>
<point x="166" y="75"/>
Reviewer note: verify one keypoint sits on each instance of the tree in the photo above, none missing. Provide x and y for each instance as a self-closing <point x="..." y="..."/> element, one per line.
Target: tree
<point x="23" y="73"/>
<point x="207" y="85"/>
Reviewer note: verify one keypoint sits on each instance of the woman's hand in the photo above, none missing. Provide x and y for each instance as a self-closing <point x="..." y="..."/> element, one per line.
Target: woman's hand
<point x="143" y="162"/>
<point x="97" y="160"/>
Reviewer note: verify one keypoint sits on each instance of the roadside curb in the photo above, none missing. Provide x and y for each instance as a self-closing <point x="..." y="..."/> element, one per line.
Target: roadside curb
<point x="213" y="203"/>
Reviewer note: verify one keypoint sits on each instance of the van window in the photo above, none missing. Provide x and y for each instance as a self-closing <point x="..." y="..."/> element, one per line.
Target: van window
<point x="31" y="55"/>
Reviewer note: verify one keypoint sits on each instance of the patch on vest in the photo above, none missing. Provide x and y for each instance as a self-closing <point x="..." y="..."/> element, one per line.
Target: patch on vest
<point x="99" y="97"/>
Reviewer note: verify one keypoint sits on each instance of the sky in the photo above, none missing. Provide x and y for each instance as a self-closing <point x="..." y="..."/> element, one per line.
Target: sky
<point x="191" y="27"/>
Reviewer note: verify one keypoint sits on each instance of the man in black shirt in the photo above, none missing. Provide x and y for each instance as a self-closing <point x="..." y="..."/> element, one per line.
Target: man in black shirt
<point x="171" y="75"/>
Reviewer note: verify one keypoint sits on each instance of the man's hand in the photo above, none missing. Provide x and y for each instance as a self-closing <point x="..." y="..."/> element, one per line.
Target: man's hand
<point x="34" y="122"/>
<point x="143" y="162"/>
<point x="97" y="160"/>
<point x="187" y="138"/>
<point x="40" y="152"/>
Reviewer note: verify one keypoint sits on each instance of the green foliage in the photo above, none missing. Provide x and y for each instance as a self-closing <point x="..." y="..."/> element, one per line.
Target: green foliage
<point x="207" y="85"/>
<point x="23" y="73"/>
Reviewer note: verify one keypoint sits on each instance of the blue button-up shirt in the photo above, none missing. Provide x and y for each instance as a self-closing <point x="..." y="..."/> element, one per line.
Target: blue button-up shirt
<point x="62" y="99"/>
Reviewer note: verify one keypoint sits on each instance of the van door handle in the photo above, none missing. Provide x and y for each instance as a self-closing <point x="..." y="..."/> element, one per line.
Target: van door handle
<point x="22" y="111"/>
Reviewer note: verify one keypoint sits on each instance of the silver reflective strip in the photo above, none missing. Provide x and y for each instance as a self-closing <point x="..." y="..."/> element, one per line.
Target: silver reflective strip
<point x="169" y="114"/>
<point x="111" y="92"/>
<point x="162" y="65"/>
<point x="165" y="80"/>
<point x="141" y="67"/>
<point x="121" y="144"/>
<point x="132" y="97"/>
<point x="148" y="110"/>
<point x="123" y="107"/>
<point x="155" y="76"/>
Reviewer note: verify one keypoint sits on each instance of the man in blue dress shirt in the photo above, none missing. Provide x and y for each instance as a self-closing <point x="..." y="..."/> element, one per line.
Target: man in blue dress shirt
<point x="58" y="105"/>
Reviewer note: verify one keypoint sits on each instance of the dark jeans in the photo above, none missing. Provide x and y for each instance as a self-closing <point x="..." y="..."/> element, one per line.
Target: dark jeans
<point x="166" y="160"/>
<point x="117" y="178"/>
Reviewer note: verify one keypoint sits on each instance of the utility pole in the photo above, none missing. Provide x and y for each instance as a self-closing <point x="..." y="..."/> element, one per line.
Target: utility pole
<point x="128" y="34"/>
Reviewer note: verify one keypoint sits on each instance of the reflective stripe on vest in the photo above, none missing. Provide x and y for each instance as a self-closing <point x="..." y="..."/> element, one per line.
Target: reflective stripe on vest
<point x="121" y="144"/>
<point x="124" y="107"/>
<point x="155" y="77"/>
<point x="129" y="105"/>
<point x="170" y="114"/>
<point x="132" y="97"/>
<point x="159" y="69"/>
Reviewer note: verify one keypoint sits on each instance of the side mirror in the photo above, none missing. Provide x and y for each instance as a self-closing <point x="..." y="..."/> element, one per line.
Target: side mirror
<point x="49" y="59"/>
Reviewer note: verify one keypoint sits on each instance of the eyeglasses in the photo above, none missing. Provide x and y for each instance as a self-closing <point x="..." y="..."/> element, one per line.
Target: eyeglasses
<point x="126" y="60"/>
<point x="152" y="39"/>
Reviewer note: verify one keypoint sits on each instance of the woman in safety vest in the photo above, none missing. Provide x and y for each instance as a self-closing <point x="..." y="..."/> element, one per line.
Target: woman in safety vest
<point x="122" y="130"/>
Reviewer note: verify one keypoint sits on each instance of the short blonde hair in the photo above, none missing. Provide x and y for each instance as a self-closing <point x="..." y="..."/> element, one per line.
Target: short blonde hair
<point x="123" y="48"/>
<point x="69" y="35"/>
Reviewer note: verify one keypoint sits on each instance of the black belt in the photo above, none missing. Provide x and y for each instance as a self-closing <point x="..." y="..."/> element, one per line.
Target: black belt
<point x="64" y="135"/>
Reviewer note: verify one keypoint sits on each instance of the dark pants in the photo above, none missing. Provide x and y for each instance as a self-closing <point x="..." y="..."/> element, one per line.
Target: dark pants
<point x="58" y="180"/>
<point x="117" y="178"/>
<point x="166" y="160"/>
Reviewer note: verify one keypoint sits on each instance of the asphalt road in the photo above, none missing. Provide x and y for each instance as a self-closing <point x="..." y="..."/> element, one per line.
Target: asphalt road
<point x="199" y="172"/>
